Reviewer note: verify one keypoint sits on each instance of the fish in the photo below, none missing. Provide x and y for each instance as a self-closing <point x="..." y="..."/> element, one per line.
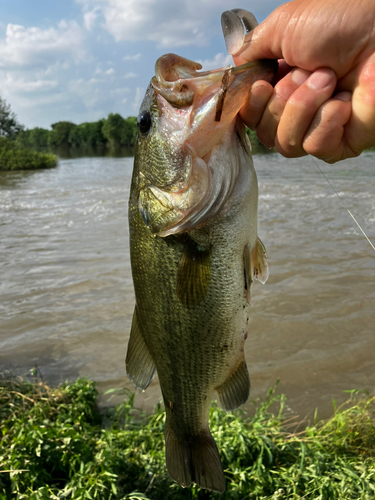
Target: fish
<point x="195" y="252"/>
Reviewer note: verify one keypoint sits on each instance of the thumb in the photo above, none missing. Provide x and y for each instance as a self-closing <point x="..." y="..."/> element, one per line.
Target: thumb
<point x="263" y="42"/>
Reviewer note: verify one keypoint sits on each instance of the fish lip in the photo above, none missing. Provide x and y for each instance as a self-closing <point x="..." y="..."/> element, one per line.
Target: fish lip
<point x="161" y="72"/>
<point x="178" y="81"/>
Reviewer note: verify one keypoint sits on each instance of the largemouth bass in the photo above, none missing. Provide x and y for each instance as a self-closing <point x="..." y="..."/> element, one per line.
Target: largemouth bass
<point x="194" y="253"/>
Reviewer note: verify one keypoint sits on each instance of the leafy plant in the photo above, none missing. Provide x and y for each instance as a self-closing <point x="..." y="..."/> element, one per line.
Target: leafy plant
<point x="58" y="445"/>
<point x="16" y="157"/>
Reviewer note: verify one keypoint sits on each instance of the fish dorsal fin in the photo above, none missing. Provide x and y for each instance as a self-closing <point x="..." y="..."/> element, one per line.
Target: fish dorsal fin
<point x="193" y="275"/>
<point x="235" y="390"/>
<point x="140" y="366"/>
<point x="259" y="264"/>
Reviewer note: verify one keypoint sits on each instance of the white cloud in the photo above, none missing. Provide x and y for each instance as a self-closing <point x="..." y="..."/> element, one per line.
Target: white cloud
<point x="90" y="17"/>
<point x="34" y="46"/>
<point x="130" y="75"/>
<point x="110" y="71"/>
<point x="21" y="85"/>
<point x="53" y="69"/>
<point x="167" y="23"/>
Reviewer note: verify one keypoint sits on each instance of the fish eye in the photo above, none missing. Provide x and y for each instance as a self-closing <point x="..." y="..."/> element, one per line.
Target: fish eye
<point x="144" y="121"/>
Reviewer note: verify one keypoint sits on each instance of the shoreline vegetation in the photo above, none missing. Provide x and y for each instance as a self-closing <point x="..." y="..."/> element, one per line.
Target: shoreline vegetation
<point x="56" y="444"/>
<point x="104" y="133"/>
<point x="15" y="157"/>
<point x="25" y="149"/>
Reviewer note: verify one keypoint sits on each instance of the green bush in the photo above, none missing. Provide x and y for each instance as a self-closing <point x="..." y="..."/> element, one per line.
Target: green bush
<point x="58" y="446"/>
<point x="59" y="134"/>
<point x="36" y="137"/>
<point x="16" y="157"/>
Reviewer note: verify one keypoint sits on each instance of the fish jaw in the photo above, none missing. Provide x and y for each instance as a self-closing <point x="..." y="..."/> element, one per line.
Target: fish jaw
<point x="213" y="99"/>
<point x="193" y="113"/>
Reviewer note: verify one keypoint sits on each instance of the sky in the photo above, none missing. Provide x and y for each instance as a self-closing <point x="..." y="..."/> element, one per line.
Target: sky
<point x="78" y="60"/>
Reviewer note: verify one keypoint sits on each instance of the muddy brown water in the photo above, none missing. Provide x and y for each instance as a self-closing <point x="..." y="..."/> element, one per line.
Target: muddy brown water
<point x="66" y="295"/>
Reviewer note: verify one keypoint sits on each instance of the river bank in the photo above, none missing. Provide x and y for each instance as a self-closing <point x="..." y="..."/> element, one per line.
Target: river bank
<point x="56" y="444"/>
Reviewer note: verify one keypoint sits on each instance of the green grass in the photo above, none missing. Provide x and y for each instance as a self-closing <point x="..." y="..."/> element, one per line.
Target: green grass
<point x="16" y="157"/>
<point x="58" y="446"/>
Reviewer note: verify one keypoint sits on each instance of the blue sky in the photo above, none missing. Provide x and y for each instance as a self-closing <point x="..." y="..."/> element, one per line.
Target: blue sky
<point x="79" y="60"/>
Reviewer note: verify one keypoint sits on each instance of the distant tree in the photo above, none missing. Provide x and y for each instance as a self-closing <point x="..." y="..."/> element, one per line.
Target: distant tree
<point x="87" y="134"/>
<point x="75" y="137"/>
<point x="59" y="135"/>
<point x="23" y="138"/>
<point x="112" y="128"/>
<point x="33" y="138"/>
<point x="39" y="137"/>
<point x="9" y="126"/>
<point x="95" y="133"/>
<point x="129" y="131"/>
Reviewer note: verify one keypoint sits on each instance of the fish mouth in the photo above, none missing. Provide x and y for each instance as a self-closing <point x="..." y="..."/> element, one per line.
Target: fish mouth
<point x="180" y="83"/>
<point x="203" y="104"/>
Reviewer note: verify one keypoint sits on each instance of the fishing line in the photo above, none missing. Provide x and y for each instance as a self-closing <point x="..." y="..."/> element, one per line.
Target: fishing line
<point x="339" y="197"/>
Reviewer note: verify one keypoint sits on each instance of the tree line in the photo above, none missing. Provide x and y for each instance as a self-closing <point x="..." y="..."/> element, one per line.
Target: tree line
<point x="114" y="130"/>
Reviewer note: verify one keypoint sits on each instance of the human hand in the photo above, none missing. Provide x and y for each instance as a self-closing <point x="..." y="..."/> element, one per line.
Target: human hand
<point x="324" y="100"/>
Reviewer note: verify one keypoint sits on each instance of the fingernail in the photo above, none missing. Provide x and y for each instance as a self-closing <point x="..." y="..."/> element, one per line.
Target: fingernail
<point x="299" y="76"/>
<point x="320" y="79"/>
<point x="344" y="96"/>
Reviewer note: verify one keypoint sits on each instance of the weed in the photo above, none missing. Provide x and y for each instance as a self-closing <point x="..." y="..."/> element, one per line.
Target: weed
<point x="54" y="444"/>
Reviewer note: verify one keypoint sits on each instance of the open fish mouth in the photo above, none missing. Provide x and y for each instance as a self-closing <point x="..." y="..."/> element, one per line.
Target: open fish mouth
<point x="180" y="83"/>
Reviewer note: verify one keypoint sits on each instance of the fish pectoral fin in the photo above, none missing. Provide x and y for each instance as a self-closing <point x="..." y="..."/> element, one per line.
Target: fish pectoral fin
<point x="259" y="264"/>
<point x="140" y="366"/>
<point x="235" y="390"/>
<point x="193" y="275"/>
<point x="194" y="460"/>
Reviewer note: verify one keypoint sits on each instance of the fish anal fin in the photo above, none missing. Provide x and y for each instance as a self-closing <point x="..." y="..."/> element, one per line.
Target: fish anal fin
<point x="259" y="264"/>
<point x="140" y="366"/>
<point x="193" y="275"/>
<point x="194" y="460"/>
<point x="235" y="390"/>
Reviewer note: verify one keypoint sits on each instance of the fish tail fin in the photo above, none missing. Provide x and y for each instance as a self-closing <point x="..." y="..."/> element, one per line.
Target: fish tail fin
<point x="194" y="460"/>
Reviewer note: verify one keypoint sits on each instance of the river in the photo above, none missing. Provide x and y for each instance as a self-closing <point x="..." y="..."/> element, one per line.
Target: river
<point x="66" y="294"/>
